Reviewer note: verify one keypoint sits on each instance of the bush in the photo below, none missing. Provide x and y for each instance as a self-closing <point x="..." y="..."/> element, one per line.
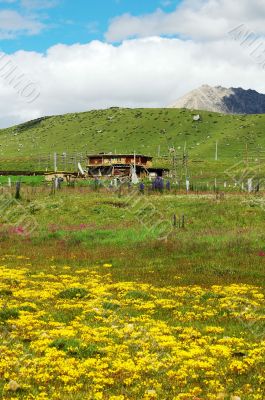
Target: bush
<point x="137" y="294"/>
<point x="5" y="292"/>
<point x="110" y="306"/>
<point x="73" y="293"/>
<point x="9" y="313"/>
<point x="75" y="348"/>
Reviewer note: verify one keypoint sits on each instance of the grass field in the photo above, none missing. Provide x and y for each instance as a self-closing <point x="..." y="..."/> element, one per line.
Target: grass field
<point x="95" y="306"/>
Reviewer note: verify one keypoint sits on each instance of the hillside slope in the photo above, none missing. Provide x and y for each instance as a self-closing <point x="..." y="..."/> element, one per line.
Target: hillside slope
<point x="149" y="131"/>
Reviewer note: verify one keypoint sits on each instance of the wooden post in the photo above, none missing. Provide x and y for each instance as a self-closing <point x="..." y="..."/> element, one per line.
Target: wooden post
<point x="17" y="195"/>
<point x="55" y="184"/>
<point x="216" y="151"/>
<point x="174" y="220"/>
<point x="183" y="221"/>
<point x="75" y="162"/>
<point x="53" y="187"/>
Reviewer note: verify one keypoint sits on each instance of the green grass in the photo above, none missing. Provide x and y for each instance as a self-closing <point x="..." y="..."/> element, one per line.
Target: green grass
<point x="8" y="313"/>
<point x="28" y="180"/>
<point x="74" y="348"/>
<point x="142" y="130"/>
<point x="73" y="293"/>
<point x="221" y="240"/>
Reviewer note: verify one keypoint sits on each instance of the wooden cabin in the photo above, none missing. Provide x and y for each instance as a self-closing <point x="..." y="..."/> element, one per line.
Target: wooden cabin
<point x="119" y="159"/>
<point x="110" y="165"/>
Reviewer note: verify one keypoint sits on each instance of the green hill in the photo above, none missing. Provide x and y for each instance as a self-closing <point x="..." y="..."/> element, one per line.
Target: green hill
<point x="149" y="131"/>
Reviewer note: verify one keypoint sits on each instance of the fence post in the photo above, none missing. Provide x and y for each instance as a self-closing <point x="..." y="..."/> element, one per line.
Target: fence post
<point x="183" y="221"/>
<point x="17" y="195"/>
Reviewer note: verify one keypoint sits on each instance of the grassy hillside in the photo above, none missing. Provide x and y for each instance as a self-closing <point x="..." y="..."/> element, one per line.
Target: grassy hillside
<point x="142" y="130"/>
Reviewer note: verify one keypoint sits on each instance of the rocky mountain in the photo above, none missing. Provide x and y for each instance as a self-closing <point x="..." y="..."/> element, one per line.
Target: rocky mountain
<point x="223" y="100"/>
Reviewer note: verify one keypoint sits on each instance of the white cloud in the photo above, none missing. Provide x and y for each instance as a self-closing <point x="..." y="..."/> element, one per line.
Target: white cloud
<point x="149" y="72"/>
<point x="146" y="72"/>
<point x="196" y="19"/>
<point x="38" y="4"/>
<point x="166" y="3"/>
<point x="13" y="24"/>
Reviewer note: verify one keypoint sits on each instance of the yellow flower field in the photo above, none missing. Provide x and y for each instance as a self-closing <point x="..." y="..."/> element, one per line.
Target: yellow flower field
<point x="75" y="333"/>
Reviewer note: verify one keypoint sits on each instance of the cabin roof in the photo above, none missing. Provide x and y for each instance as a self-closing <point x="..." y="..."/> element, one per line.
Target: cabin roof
<point x="111" y="155"/>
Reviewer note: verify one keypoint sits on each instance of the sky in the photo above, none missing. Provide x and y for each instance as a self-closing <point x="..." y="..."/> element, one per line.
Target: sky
<point x="65" y="21"/>
<point x="59" y="56"/>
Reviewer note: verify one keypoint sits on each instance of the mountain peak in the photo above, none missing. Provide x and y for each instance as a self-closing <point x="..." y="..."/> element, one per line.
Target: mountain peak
<point x="223" y="100"/>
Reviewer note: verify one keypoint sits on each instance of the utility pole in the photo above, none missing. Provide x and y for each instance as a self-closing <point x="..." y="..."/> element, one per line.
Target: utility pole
<point x="64" y="156"/>
<point x="186" y="164"/>
<point x="216" y="151"/>
<point x="55" y="162"/>
<point x="174" y="165"/>
<point x="246" y="155"/>
<point x="172" y="151"/>
<point x="185" y="160"/>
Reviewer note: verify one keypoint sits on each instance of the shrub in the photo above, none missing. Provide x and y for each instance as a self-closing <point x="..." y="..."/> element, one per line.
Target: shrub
<point x="73" y="293"/>
<point x="5" y="292"/>
<point x="75" y="348"/>
<point x="137" y="294"/>
<point x="27" y="308"/>
<point x="9" y="313"/>
<point x="110" y="306"/>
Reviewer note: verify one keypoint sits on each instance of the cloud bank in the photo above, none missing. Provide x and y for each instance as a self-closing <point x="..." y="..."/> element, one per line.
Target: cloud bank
<point x="195" y="19"/>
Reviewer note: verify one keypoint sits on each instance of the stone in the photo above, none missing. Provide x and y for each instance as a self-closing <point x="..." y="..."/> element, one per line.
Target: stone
<point x="13" y="385"/>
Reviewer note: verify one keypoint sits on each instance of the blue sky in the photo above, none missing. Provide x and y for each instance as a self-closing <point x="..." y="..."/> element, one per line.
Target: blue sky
<point x="59" y="56"/>
<point x="70" y="21"/>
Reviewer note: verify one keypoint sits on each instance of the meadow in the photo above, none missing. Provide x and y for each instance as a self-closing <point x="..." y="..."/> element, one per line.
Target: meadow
<point x="99" y="303"/>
